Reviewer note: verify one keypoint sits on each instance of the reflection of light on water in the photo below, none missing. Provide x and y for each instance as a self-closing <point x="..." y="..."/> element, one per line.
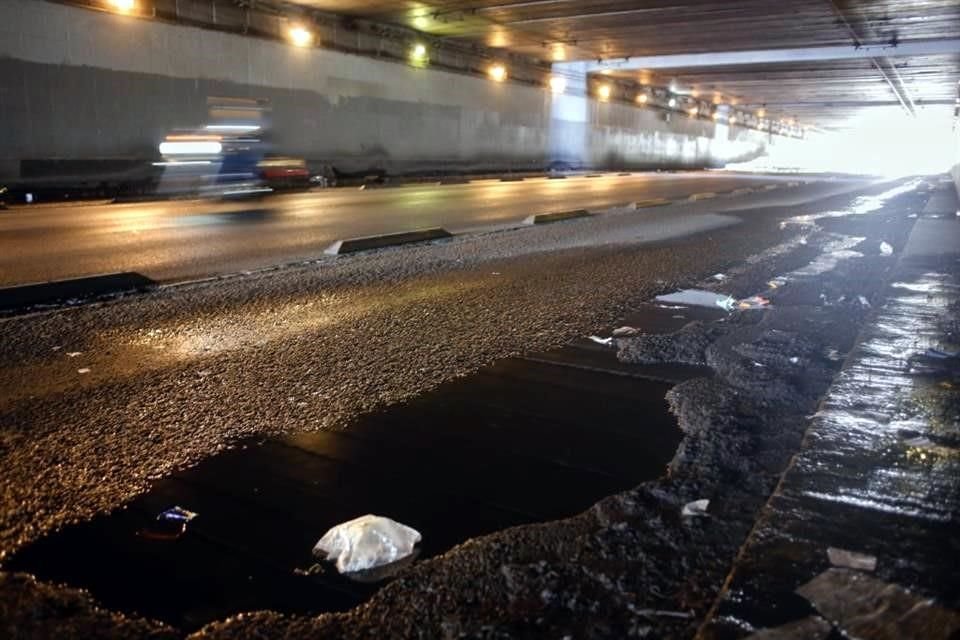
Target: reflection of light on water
<point x="874" y="402"/>
<point x="860" y="206"/>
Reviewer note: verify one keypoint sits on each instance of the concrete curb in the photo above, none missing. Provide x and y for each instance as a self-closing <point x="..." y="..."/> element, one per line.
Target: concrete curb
<point x="706" y="195"/>
<point x="557" y="216"/>
<point x="512" y="179"/>
<point x="366" y="243"/>
<point x="85" y="288"/>
<point x="653" y="202"/>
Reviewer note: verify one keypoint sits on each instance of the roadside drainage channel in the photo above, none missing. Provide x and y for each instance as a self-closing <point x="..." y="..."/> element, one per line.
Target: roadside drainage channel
<point x="859" y="538"/>
<point x="524" y="440"/>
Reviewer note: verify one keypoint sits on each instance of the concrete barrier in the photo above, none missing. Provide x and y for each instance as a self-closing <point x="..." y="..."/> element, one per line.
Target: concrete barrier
<point x="542" y="218"/>
<point x="23" y="297"/>
<point x="653" y="202"/>
<point x="367" y="243"/>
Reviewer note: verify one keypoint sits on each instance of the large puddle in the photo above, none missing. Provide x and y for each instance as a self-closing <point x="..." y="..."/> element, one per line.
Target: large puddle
<point x="525" y="440"/>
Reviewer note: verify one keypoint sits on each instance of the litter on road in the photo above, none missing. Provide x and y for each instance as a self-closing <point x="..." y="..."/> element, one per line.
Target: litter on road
<point x="699" y="298"/>
<point x="607" y="342"/>
<point x="753" y="302"/>
<point x="851" y="559"/>
<point x="169" y="524"/>
<point x="366" y="542"/>
<point x="695" y="508"/>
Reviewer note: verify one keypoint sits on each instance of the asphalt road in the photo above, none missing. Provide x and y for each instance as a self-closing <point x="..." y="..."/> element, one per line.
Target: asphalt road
<point x="98" y="401"/>
<point x="181" y="240"/>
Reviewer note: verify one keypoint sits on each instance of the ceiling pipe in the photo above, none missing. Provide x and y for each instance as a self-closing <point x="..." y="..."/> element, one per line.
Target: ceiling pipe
<point x="899" y="88"/>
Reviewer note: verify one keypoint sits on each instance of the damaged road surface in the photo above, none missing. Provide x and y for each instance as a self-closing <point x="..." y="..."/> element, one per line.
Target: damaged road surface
<point x="177" y="375"/>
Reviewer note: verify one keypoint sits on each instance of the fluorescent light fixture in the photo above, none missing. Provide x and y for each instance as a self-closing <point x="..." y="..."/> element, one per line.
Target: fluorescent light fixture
<point x="300" y="36"/>
<point x="198" y="147"/>
<point x="558" y="84"/>
<point x="242" y="128"/>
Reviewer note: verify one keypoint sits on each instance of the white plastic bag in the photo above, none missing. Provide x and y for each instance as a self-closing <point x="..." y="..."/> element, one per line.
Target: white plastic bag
<point x="366" y="542"/>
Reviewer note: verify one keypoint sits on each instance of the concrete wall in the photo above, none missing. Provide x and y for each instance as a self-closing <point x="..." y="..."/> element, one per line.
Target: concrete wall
<point x="84" y="84"/>
<point x="955" y="172"/>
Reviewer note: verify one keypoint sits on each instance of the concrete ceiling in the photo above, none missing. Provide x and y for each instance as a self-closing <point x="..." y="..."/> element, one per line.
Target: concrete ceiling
<point x="822" y="93"/>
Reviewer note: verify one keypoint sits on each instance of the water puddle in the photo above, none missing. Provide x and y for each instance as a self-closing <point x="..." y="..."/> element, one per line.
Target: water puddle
<point x="525" y="440"/>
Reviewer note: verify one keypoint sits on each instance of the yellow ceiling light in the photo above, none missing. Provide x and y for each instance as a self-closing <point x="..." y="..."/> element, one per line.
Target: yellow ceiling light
<point x="558" y="84"/>
<point x="497" y="72"/>
<point x="642" y="98"/>
<point x="693" y="111"/>
<point x="761" y="113"/>
<point x="123" y="6"/>
<point x="300" y="36"/>
<point x="604" y="91"/>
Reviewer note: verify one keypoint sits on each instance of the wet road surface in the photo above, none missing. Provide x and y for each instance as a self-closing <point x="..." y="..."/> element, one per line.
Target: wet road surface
<point x="503" y="447"/>
<point x="178" y="240"/>
<point x="868" y="510"/>
<point x="107" y="399"/>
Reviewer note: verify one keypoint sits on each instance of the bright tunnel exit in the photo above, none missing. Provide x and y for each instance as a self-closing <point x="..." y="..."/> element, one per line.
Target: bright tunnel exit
<point x="879" y="142"/>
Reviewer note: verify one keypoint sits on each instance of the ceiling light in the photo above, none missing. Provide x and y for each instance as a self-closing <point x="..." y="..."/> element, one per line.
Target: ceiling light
<point x="716" y="115"/>
<point x="604" y="91"/>
<point x="558" y="84"/>
<point x="498" y="72"/>
<point x="122" y="5"/>
<point x="642" y="98"/>
<point x="693" y="111"/>
<point x="733" y="120"/>
<point x="672" y="103"/>
<point x="300" y="36"/>
<point x="761" y="113"/>
<point x="419" y="51"/>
